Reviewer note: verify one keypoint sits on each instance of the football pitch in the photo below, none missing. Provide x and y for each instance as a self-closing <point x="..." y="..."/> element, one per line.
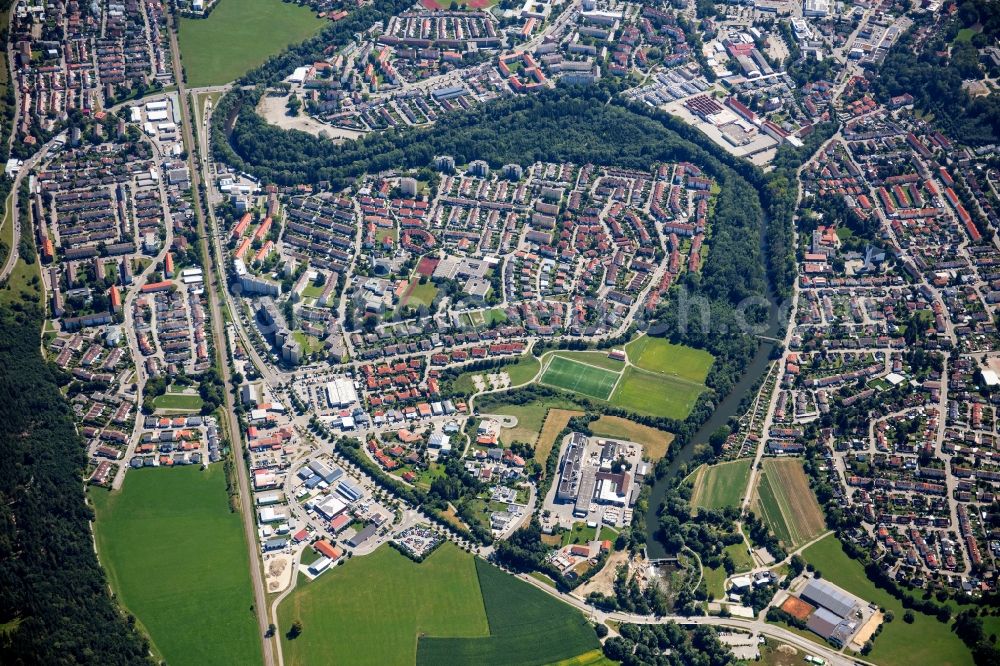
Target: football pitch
<point x="580" y="378"/>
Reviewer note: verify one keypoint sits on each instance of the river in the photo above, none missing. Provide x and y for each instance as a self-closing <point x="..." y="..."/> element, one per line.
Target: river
<point x="726" y="409"/>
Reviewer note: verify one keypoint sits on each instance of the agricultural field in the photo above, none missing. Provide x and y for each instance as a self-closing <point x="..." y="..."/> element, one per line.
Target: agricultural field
<point x="660" y="355"/>
<point x="526" y="626"/>
<point x="654" y="442"/>
<point x="653" y="394"/>
<point x="591" y="658"/>
<point x="372" y="609"/>
<point x="239" y="35"/>
<point x="452" y="608"/>
<point x="786" y="502"/>
<point x="578" y="377"/>
<point x="555" y="421"/>
<point x="176" y="558"/>
<point x="926" y="641"/>
<point x="716" y="486"/>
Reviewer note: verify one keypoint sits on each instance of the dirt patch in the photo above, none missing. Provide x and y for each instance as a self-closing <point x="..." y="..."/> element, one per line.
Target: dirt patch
<point x="797" y="608"/>
<point x="604" y="581"/>
<point x="866" y="632"/>
<point x="273" y="108"/>
<point x="279" y="573"/>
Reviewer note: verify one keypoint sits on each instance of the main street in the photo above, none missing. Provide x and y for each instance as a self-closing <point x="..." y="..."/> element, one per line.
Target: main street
<point x="214" y="285"/>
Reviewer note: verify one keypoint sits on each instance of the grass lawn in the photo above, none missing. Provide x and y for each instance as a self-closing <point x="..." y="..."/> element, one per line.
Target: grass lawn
<point x="483" y="318"/>
<point x="539" y="576"/>
<point x="310" y="344"/>
<point x="580" y="534"/>
<point x="372" y="609"/>
<point x="420" y="294"/>
<point x="555" y="421"/>
<point x="740" y="556"/>
<point x="926" y="641"/>
<point x="529" y="417"/>
<point x="239" y="35"/>
<point x="656" y="395"/>
<point x="654" y="442"/>
<point x="526" y="626"/>
<point x="787" y="503"/>
<point x="312" y="291"/>
<point x="660" y="355"/>
<point x="7" y="225"/>
<point x="715" y="580"/>
<point x="597" y="358"/>
<point x="716" y="486"/>
<point x="965" y="35"/>
<point x="177" y="560"/>
<point x="523" y="371"/>
<point x="575" y="376"/>
<point x="179" y="401"/>
<point x="24" y="283"/>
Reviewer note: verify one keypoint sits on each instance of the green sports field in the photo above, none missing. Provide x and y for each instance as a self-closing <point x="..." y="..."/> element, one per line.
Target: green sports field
<point x="598" y="358"/>
<point x="663" y="379"/>
<point x="178" y="401"/>
<point x="574" y="376"/>
<point x="926" y="641"/>
<point x="177" y="560"/>
<point x="452" y="608"/>
<point x="660" y="355"/>
<point x="239" y="35"/>
<point x="652" y="394"/>
<point x="527" y="626"/>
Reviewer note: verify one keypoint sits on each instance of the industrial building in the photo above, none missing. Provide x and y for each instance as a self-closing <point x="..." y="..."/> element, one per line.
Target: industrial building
<point x="341" y="393"/>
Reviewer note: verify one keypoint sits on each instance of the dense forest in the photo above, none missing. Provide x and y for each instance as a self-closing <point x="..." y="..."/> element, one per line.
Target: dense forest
<point x="55" y="607"/>
<point x="933" y="73"/>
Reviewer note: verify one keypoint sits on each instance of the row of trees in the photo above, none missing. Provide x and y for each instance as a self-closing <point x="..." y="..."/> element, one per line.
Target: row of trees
<point x="667" y="645"/>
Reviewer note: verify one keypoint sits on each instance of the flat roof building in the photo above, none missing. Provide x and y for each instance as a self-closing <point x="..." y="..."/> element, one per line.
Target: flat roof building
<point x="823" y="594"/>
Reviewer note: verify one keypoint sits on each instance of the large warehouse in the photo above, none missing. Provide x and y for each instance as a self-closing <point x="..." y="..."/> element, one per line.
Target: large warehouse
<point x="341" y="393"/>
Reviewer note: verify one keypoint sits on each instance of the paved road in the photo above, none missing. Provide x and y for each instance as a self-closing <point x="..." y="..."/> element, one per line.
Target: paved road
<point x="212" y="283"/>
<point x="757" y="626"/>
